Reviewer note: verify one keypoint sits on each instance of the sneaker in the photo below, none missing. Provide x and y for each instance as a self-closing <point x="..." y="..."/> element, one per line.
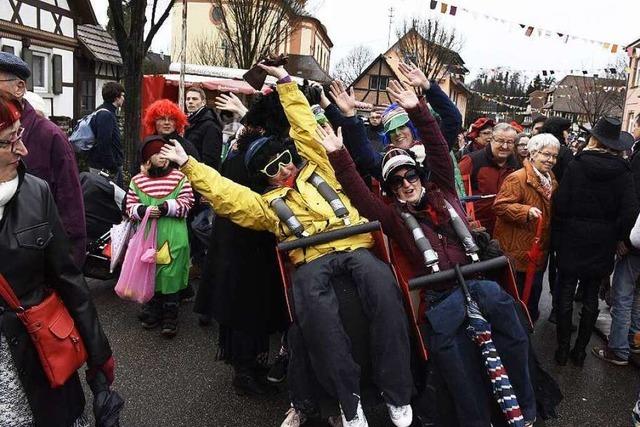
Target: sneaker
<point x="278" y="371"/>
<point x="293" y="418"/>
<point x="246" y="384"/>
<point x="358" y="421"/>
<point x="401" y="416"/>
<point x="608" y="356"/>
<point x="634" y="348"/>
<point x="636" y="414"/>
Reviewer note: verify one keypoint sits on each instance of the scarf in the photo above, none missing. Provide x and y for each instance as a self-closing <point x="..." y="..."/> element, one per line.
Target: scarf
<point x="545" y="181"/>
<point x="7" y="191"/>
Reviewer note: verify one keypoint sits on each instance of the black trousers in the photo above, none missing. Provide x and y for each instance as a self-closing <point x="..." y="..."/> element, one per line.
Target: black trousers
<point x="564" y="306"/>
<point x="316" y="312"/>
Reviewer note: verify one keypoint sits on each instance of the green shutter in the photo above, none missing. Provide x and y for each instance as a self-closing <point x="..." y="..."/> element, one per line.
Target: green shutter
<point x="57" y="74"/>
<point x="27" y="57"/>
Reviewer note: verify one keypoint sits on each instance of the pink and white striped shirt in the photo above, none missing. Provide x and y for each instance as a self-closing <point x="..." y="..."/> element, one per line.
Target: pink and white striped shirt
<point x="159" y="188"/>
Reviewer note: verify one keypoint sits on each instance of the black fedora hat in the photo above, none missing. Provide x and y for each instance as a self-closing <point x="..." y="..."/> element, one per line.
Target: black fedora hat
<point x="608" y="131"/>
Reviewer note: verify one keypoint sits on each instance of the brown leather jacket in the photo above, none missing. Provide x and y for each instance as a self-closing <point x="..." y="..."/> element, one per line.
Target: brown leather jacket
<point x="520" y="191"/>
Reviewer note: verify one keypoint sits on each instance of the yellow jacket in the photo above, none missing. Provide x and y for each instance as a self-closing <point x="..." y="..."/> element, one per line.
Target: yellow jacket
<point x="252" y="210"/>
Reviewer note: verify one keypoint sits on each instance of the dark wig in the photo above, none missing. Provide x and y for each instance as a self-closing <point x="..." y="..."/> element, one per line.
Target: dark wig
<point x="266" y="112"/>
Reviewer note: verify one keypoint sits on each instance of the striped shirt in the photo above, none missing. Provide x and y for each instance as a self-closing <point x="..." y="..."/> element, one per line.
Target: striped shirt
<point x="159" y="188"/>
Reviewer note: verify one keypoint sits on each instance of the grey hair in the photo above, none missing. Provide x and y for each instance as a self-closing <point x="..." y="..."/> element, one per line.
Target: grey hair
<point x="542" y="140"/>
<point x="504" y="127"/>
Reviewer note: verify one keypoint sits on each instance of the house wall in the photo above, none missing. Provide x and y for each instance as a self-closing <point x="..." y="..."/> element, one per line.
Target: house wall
<point x="632" y="104"/>
<point x="361" y="87"/>
<point x="305" y="39"/>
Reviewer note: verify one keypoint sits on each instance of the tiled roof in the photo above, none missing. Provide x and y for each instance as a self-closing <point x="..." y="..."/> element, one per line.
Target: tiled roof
<point x="99" y="43"/>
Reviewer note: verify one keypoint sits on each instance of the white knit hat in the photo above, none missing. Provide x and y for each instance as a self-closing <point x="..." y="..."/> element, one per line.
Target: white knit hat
<point x="395" y="158"/>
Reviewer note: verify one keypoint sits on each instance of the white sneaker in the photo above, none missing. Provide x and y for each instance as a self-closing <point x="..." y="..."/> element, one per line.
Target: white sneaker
<point x="358" y="421"/>
<point x="293" y="418"/>
<point x="401" y="416"/>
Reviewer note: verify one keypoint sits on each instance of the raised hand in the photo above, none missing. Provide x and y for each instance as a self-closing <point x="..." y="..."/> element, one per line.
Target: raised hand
<point x="231" y="103"/>
<point x="404" y="97"/>
<point x="324" y="101"/>
<point x="346" y="101"/>
<point x="277" y="72"/>
<point x="174" y="152"/>
<point x="328" y="139"/>
<point x="414" y="75"/>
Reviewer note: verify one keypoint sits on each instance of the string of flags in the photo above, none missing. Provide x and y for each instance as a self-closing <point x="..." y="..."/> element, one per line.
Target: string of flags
<point x="552" y="72"/>
<point x="507" y="97"/>
<point x="530" y="30"/>
<point x="504" y="104"/>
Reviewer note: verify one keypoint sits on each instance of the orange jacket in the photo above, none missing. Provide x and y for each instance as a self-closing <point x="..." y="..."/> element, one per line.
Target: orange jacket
<point x="520" y="191"/>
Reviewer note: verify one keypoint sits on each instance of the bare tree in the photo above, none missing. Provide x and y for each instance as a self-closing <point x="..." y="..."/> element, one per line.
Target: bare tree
<point x="597" y="96"/>
<point x="129" y="19"/>
<point x="351" y="66"/>
<point x="210" y="50"/>
<point x="431" y="46"/>
<point x="256" y="28"/>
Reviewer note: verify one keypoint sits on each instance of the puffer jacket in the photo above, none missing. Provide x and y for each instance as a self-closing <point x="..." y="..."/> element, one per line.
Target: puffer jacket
<point x="514" y="230"/>
<point x="35" y="256"/>
<point x="594" y="208"/>
<point x="252" y="210"/>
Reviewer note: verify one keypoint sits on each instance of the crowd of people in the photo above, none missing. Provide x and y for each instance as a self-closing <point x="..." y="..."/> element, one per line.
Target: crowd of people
<point x="298" y="164"/>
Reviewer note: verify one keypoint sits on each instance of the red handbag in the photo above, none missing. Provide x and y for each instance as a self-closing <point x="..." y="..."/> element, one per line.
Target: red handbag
<point x="52" y="332"/>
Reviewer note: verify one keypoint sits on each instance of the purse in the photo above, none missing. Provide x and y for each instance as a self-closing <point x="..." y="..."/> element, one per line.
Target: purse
<point x="53" y="333"/>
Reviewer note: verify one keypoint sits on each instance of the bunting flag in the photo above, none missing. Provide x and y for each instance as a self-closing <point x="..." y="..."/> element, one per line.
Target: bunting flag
<point x="549" y="71"/>
<point x="530" y="30"/>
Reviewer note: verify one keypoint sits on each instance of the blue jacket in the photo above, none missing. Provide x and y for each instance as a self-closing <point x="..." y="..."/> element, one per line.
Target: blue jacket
<point x="365" y="157"/>
<point x="107" y="151"/>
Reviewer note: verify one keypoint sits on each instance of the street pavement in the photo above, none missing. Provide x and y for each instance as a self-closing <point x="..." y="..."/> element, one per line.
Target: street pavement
<point x="178" y="382"/>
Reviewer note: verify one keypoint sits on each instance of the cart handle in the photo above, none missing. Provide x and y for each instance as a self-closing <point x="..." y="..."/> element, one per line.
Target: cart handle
<point x="450" y="275"/>
<point x="329" y="236"/>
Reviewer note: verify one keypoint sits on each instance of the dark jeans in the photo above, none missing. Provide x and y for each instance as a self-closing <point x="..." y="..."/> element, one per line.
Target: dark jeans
<point x="536" y="292"/>
<point x="316" y="312"/>
<point x="565" y="292"/>
<point x="459" y="362"/>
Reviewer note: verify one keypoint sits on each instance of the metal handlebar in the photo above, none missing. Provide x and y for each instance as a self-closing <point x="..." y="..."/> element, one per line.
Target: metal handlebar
<point x="329" y="236"/>
<point x="450" y="275"/>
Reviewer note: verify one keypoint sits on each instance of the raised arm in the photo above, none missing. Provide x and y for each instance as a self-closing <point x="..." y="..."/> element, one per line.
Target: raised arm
<point x="228" y="199"/>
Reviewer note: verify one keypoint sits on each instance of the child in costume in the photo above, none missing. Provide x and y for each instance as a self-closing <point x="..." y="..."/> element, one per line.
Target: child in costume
<point x="167" y="193"/>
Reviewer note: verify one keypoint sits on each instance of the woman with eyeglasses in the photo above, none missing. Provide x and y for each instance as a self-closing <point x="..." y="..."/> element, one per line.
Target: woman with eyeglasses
<point x="524" y="198"/>
<point x="35" y="257"/>
<point x="433" y="203"/>
<point x="298" y="192"/>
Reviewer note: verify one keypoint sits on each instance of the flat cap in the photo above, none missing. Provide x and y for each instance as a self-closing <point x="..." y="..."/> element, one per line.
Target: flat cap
<point x="12" y="64"/>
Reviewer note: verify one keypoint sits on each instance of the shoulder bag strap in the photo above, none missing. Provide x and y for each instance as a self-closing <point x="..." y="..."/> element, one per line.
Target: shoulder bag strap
<point x="7" y="294"/>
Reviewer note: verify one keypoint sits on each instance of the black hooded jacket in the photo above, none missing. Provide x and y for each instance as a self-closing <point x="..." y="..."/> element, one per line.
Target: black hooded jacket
<point x="594" y="208"/>
<point x="205" y="132"/>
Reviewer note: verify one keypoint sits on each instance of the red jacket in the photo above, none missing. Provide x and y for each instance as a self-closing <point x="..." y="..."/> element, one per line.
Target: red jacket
<point x="447" y="245"/>
<point x="486" y="178"/>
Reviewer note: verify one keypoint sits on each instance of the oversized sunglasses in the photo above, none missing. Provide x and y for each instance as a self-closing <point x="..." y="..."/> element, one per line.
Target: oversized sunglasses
<point x="396" y="181"/>
<point x="13" y="141"/>
<point x="273" y="167"/>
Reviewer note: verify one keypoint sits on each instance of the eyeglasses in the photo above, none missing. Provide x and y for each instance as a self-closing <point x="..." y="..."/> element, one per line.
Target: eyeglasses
<point x="166" y="119"/>
<point x="548" y="156"/>
<point x="396" y="181"/>
<point x="13" y="141"/>
<point x="503" y="143"/>
<point x="273" y="167"/>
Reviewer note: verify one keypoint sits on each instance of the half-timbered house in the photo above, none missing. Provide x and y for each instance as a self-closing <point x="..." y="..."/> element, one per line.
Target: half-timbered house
<point x="70" y="55"/>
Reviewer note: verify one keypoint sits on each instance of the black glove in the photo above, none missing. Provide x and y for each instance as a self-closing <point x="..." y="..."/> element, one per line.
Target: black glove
<point x="163" y="208"/>
<point x="142" y="209"/>
<point x="489" y="248"/>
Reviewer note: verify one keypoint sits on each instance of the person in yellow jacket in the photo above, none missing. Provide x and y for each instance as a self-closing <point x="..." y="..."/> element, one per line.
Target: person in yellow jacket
<point x="316" y="305"/>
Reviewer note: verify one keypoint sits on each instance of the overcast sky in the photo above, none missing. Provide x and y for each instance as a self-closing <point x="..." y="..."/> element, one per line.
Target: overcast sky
<point x="486" y="43"/>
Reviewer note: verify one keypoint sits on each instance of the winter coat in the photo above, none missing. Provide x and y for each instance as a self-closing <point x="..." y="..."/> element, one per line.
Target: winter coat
<point x="32" y="238"/>
<point x="514" y="230"/>
<point x="444" y="241"/>
<point x="107" y="151"/>
<point x="205" y="133"/>
<point x="241" y="286"/>
<point x="252" y="210"/>
<point x="486" y="178"/>
<point x="51" y="158"/>
<point x="565" y="156"/>
<point x="594" y="208"/>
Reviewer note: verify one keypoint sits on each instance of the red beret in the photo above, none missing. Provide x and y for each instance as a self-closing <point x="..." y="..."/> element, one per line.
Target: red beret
<point x="151" y="145"/>
<point x="479" y="125"/>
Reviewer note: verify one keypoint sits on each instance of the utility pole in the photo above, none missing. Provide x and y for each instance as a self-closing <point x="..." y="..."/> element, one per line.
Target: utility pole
<point x="390" y="22"/>
<point x="183" y="55"/>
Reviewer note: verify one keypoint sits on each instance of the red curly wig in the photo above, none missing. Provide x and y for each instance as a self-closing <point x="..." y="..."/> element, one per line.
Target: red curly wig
<point x="163" y="108"/>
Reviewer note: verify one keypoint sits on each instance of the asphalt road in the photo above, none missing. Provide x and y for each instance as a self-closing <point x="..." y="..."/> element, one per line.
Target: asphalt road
<point x="177" y="382"/>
